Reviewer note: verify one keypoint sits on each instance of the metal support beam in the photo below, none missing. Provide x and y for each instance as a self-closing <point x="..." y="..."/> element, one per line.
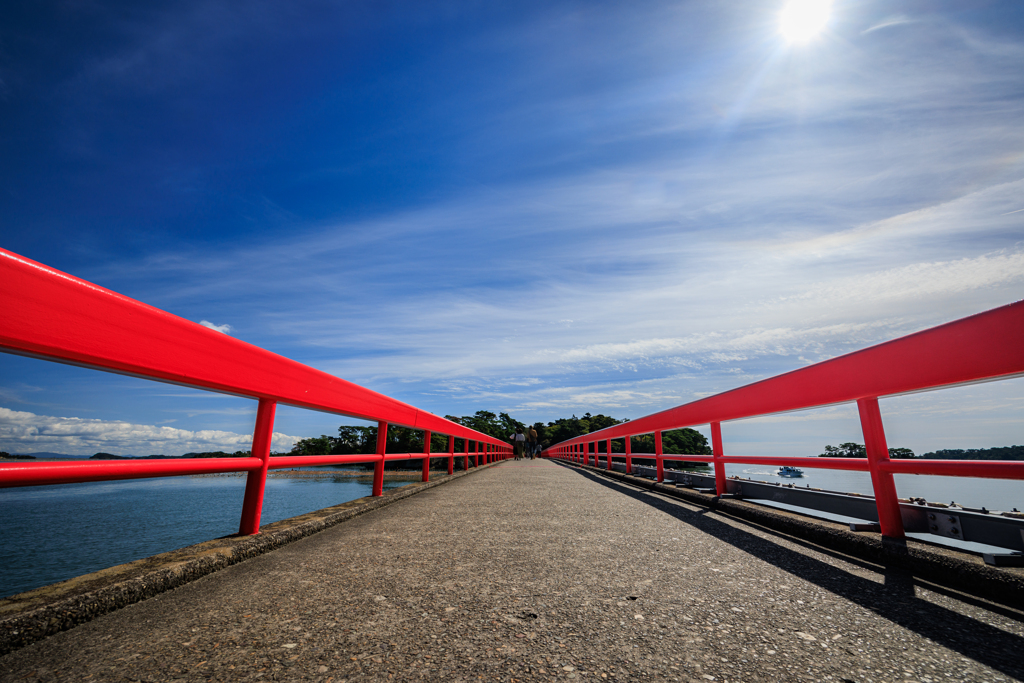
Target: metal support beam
<point x="256" y="481"/>
<point x="426" y="456"/>
<point x="878" y="452"/>
<point x="378" y="465"/>
<point x="718" y="451"/>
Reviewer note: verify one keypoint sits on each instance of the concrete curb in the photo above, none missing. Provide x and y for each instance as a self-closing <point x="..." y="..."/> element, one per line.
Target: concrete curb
<point x="960" y="571"/>
<point x="34" y="615"/>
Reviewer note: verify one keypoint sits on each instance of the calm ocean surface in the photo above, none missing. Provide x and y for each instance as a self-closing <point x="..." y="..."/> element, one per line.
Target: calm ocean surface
<point x="994" y="494"/>
<point x="53" y="533"/>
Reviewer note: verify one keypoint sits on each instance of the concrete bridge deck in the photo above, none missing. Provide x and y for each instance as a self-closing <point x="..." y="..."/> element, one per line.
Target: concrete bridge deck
<point x="532" y="570"/>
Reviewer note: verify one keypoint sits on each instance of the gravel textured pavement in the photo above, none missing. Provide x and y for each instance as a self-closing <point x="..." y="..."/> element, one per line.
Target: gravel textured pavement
<point x="532" y="570"/>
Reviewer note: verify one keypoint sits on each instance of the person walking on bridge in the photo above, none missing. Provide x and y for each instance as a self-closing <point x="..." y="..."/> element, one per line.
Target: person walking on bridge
<point x="518" y="441"/>
<point x="531" y="440"/>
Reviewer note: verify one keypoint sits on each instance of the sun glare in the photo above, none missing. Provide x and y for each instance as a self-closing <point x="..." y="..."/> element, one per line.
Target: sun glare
<point x="802" y="20"/>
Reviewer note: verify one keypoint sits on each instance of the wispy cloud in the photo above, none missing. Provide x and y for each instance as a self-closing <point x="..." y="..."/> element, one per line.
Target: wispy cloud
<point x="895" y="20"/>
<point x="223" y="329"/>
<point x="675" y="300"/>
<point x="622" y="209"/>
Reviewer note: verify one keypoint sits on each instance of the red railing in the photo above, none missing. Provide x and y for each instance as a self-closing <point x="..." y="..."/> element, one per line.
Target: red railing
<point x="980" y="348"/>
<point x="51" y="315"/>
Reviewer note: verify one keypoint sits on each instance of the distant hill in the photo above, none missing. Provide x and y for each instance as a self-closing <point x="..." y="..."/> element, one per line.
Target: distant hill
<point x="207" y="454"/>
<point x="1000" y="453"/>
<point x="46" y="455"/>
<point x="4" y="455"/>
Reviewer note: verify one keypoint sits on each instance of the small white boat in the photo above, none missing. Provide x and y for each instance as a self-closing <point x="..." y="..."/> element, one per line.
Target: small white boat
<point x="787" y="471"/>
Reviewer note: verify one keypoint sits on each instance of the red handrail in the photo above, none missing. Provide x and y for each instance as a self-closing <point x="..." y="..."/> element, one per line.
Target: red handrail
<point x="979" y="348"/>
<point x="51" y="315"/>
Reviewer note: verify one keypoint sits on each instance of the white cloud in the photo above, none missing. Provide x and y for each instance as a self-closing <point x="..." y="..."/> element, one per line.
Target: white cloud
<point x="24" y="432"/>
<point x="224" y="329"/>
<point x="895" y="20"/>
<point x="862" y="192"/>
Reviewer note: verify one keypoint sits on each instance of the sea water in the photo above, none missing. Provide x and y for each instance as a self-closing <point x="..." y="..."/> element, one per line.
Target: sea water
<point x="54" y="533"/>
<point x="994" y="494"/>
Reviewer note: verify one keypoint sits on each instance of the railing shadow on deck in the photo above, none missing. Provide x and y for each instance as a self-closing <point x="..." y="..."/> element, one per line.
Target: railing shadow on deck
<point x="895" y="600"/>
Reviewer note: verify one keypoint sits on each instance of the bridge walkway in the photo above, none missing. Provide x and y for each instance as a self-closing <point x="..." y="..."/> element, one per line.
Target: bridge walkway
<point x="533" y="570"/>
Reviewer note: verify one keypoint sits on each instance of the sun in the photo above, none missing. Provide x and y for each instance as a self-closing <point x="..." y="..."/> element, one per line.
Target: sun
<point x="802" y="20"/>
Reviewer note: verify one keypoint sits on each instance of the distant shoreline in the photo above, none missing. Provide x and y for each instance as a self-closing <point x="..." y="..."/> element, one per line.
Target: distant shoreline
<point x="328" y="474"/>
<point x="289" y="473"/>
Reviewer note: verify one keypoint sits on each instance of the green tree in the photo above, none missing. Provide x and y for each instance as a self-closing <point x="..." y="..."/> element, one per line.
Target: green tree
<point x="845" y="450"/>
<point x="857" y="450"/>
<point x="363" y="440"/>
<point x="499" y="426"/>
<point x="321" y="445"/>
<point x="998" y="453"/>
<point x="684" y="441"/>
<point x="569" y="428"/>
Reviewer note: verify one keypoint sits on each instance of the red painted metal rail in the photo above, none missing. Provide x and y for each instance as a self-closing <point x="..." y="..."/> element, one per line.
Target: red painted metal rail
<point x="54" y="316"/>
<point x="983" y="347"/>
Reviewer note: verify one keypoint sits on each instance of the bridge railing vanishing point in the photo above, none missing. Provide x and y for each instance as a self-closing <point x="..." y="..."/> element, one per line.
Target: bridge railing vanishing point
<point x="54" y="316"/>
<point x="980" y="348"/>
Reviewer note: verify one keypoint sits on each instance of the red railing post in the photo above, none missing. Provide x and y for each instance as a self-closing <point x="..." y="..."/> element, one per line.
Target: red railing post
<point x="629" y="451"/>
<point x="657" y="456"/>
<point x="451" y="455"/>
<point x="256" y="481"/>
<point x="889" y="518"/>
<point x="718" y="451"/>
<point x="378" y="465"/>
<point x="426" y="456"/>
<point x="608" y="459"/>
<point x="465" y="456"/>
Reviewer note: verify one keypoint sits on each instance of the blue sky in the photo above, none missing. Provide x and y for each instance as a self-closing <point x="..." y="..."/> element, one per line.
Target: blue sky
<point x="540" y="208"/>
